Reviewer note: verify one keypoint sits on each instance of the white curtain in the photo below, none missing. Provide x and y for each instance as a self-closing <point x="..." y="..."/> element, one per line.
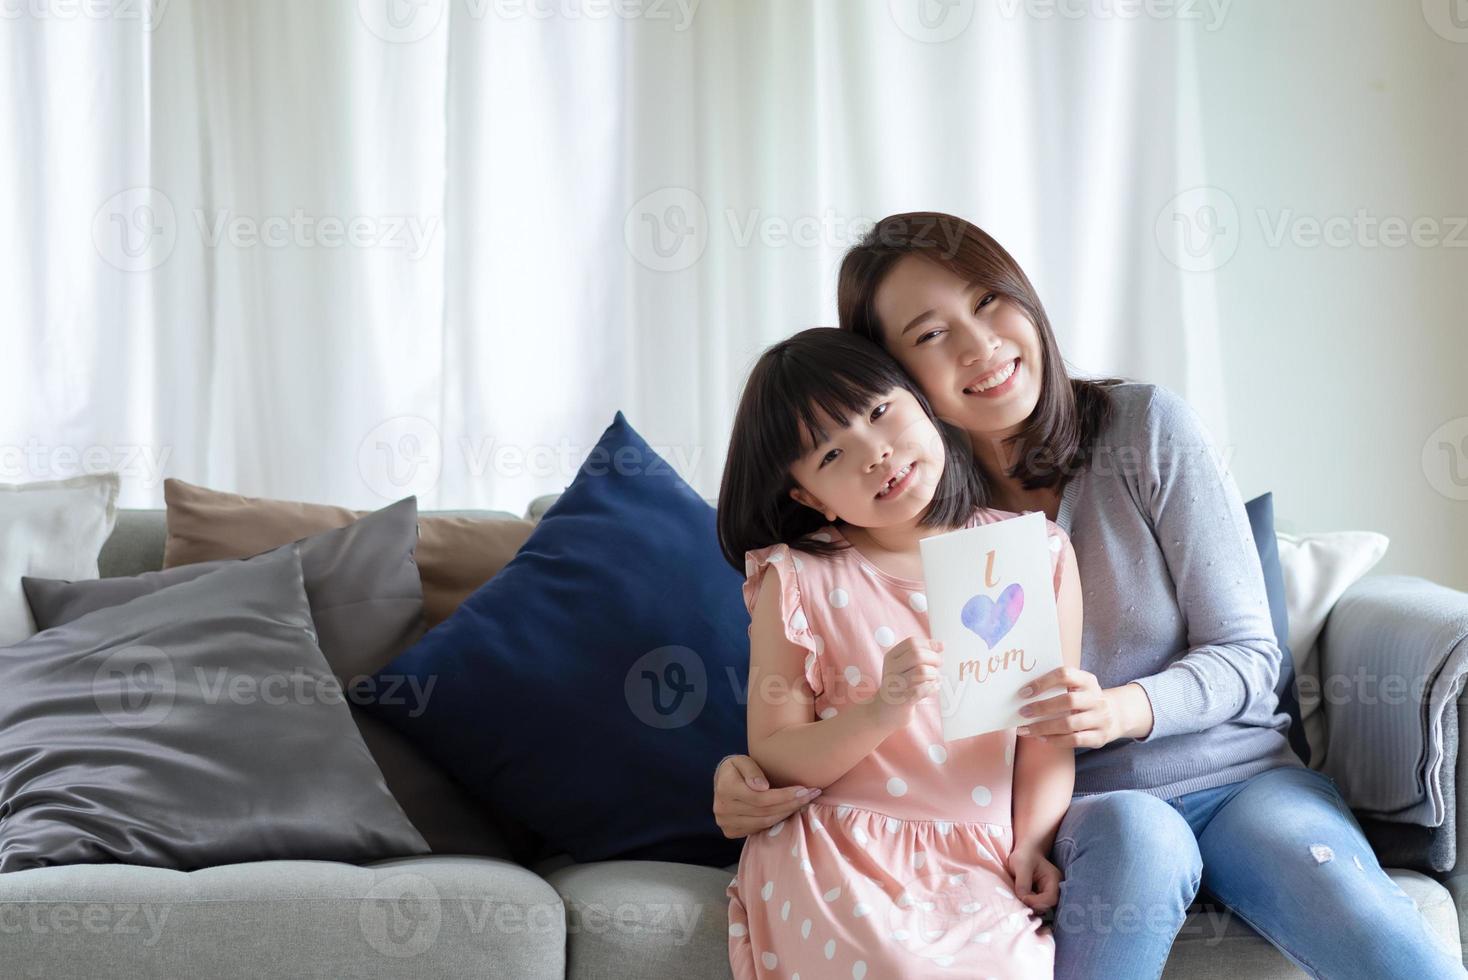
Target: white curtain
<point x="345" y="251"/>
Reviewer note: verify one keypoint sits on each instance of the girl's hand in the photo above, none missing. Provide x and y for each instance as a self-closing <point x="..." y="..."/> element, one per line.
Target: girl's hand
<point x="744" y="804"/>
<point x="1036" y="880"/>
<point x="1086" y="715"/>
<point x="909" y="675"/>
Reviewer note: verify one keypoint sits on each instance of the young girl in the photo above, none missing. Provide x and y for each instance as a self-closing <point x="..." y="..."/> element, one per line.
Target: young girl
<point x="922" y="857"/>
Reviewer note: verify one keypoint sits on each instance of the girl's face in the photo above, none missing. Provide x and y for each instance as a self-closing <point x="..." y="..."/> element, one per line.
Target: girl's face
<point x="974" y="354"/>
<point x="880" y="470"/>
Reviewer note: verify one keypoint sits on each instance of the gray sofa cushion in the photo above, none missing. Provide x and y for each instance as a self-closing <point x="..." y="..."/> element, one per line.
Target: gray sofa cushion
<point x="194" y="726"/>
<point x="449" y="918"/>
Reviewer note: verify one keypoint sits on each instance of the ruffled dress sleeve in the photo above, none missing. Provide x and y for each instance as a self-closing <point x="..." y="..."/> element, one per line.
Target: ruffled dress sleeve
<point x="786" y="565"/>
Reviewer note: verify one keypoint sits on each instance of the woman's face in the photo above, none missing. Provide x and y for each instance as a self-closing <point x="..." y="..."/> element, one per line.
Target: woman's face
<point x="880" y="470"/>
<point x="974" y="354"/>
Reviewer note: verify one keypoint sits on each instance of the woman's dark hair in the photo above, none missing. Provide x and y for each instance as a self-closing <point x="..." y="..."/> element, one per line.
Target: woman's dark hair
<point x="830" y="371"/>
<point x="1057" y="438"/>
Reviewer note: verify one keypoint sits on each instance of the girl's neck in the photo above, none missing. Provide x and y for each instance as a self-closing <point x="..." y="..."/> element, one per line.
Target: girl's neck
<point x="898" y="541"/>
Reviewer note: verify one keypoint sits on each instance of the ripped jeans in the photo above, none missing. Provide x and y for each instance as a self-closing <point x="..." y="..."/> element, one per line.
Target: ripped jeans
<point x="1280" y="849"/>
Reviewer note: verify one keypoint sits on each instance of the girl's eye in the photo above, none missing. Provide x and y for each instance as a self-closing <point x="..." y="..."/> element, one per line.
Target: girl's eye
<point x="879" y="411"/>
<point x="829" y="456"/>
<point x="988" y="298"/>
<point x="931" y="333"/>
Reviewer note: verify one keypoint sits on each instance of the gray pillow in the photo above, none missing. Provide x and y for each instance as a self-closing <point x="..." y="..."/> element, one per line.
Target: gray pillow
<point x="367" y="602"/>
<point x="194" y="726"/>
<point x="361" y="580"/>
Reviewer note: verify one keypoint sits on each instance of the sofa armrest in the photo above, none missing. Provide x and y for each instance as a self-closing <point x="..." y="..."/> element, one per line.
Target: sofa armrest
<point x="1392" y="659"/>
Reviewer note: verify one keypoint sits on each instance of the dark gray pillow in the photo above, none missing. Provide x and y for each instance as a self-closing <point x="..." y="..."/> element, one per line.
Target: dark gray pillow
<point x="361" y="580"/>
<point x="194" y="726"/>
<point x="367" y="602"/>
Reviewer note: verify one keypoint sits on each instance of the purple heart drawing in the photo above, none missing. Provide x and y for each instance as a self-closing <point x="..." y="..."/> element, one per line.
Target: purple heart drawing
<point x="993" y="620"/>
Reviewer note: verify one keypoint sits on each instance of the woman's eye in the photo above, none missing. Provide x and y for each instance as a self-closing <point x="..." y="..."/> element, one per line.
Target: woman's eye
<point x="988" y="298"/>
<point x="879" y="411"/>
<point x="930" y="333"/>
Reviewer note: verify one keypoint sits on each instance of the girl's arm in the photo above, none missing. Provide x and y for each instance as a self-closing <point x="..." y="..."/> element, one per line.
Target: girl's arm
<point x="1044" y="771"/>
<point x="787" y="741"/>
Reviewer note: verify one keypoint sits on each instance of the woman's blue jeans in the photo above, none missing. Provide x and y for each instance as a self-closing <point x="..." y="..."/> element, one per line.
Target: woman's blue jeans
<point x="1280" y="849"/>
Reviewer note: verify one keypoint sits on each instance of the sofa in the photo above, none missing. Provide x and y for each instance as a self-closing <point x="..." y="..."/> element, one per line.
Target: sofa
<point x="514" y="911"/>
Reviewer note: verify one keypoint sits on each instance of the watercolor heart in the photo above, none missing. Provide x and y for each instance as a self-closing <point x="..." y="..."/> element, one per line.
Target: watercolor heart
<point x="993" y="620"/>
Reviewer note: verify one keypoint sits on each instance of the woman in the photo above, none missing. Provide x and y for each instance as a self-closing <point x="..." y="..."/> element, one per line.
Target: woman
<point x="1184" y="778"/>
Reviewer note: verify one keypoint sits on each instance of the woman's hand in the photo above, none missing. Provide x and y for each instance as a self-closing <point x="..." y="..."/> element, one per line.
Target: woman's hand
<point x="744" y="803"/>
<point x="1036" y="880"/>
<point x="1086" y="715"/>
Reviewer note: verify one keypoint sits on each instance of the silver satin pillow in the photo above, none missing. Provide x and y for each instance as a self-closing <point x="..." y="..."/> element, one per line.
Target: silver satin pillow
<point x="193" y="726"/>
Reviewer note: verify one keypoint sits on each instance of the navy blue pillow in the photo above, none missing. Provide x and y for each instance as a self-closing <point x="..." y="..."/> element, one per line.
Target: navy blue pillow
<point x="1261" y="520"/>
<point x="590" y="688"/>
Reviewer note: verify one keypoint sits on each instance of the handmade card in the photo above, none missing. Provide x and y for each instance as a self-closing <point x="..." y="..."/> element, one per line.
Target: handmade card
<point x="992" y="606"/>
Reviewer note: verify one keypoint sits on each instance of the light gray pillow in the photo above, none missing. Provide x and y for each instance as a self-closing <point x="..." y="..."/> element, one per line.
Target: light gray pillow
<point x="361" y="580"/>
<point x="194" y="726"/>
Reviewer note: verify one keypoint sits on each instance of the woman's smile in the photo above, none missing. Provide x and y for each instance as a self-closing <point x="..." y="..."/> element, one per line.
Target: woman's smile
<point x="996" y="383"/>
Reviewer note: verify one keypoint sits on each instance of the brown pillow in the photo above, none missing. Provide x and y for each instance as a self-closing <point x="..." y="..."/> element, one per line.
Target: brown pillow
<point x="456" y="555"/>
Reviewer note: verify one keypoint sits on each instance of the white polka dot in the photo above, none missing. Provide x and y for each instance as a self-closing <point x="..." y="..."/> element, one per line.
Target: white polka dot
<point x="798" y="563"/>
<point x="858" y="970"/>
<point x="805" y="929"/>
<point x="896" y="786"/>
<point x="822" y="537"/>
<point x="799" y="621"/>
<point x="982" y="796"/>
<point x="918" y="601"/>
<point x="861" y="909"/>
<point x="839" y="598"/>
<point x="919" y="859"/>
<point x="777" y="555"/>
<point x="982" y="937"/>
<point x="795" y="848"/>
<point x="767" y="891"/>
<point x="737" y="929"/>
<point x="970" y="906"/>
<point x="885" y="636"/>
<point x="785" y="911"/>
<point x="861" y="837"/>
<point x="815" y="823"/>
<point x="843" y="811"/>
<point x="938" y="754"/>
<point x="830" y="949"/>
<point x="819" y="642"/>
<point x="832" y="894"/>
<point x="827" y="713"/>
<point x="901" y="935"/>
<point x="775" y="830"/>
<point x="770" y="960"/>
<point x="852" y="675"/>
<point x="1054" y="543"/>
<point x="893" y="824"/>
<point x="943" y="826"/>
<point x="956" y="879"/>
<point x="810" y="662"/>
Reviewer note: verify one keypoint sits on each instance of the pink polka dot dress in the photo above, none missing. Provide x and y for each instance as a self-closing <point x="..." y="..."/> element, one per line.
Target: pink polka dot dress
<point x="899" y="869"/>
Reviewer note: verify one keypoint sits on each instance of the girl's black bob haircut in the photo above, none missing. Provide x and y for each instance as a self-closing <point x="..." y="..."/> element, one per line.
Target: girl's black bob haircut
<point x="819" y="372"/>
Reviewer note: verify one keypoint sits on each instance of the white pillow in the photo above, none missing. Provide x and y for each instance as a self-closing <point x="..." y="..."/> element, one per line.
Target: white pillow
<point x="52" y="529"/>
<point x="1318" y="569"/>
